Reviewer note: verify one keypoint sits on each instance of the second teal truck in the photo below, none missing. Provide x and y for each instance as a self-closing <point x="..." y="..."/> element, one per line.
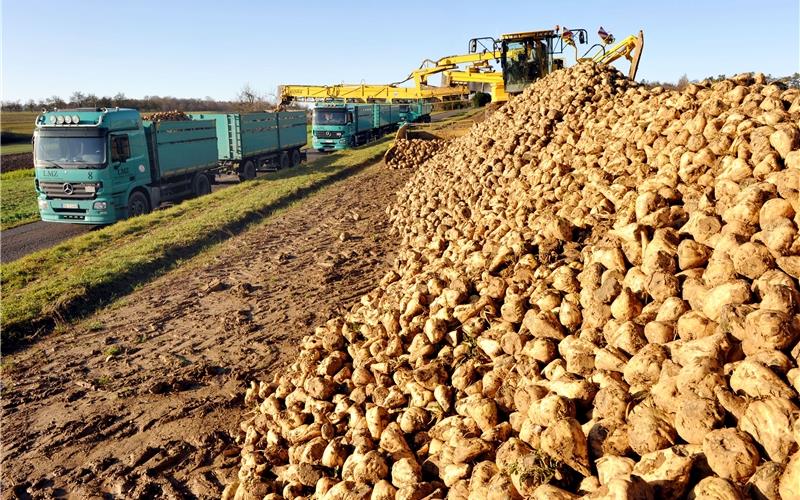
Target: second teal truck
<point x="340" y="125"/>
<point x="96" y="166"/>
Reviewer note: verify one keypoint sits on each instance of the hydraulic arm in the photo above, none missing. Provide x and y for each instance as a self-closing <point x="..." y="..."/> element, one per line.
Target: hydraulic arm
<point x="630" y="48"/>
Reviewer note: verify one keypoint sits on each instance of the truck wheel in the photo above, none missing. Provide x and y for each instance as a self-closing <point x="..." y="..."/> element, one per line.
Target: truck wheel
<point x="295" y="157"/>
<point x="201" y="185"/>
<point x="284" y="160"/>
<point x="138" y="204"/>
<point x="247" y="171"/>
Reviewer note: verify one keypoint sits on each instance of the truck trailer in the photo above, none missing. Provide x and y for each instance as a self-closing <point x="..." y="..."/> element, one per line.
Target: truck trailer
<point x="95" y="166"/>
<point x="339" y="125"/>
<point x="250" y="142"/>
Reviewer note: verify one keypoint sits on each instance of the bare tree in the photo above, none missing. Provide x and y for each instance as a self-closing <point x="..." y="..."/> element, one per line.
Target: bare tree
<point x="249" y="99"/>
<point x="55" y="102"/>
<point x="683" y="82"/>
<point x="77" y="98"/>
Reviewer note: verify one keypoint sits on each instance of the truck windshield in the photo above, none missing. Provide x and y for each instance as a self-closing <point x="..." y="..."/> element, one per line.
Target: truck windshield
<point x="330" y="116"/>
<point x="77" y="152"/>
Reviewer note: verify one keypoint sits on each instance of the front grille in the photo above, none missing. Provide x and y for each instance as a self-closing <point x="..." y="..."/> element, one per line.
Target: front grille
<point x="328" y="134"/>
<point x="67" y="190"/>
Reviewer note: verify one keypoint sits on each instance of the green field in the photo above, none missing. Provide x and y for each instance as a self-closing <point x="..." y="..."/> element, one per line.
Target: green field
<point x="17" y="129"/>
<point x="18" y="122"/>
<point x="15" y="148"/>
<point x="115" y="259"/>
<point x="17" y="199"/>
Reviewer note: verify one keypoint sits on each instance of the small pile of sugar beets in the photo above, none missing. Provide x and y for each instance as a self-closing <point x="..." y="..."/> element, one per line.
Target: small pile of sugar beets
<point x="411" y="153"/>
<point x="596" y="296"/>
<point x="166" y="116"/>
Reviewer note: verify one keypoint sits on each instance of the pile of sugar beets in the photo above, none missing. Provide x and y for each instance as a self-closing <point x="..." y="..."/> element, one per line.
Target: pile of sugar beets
<point x="596" y="296"/>
<point x="411" y="153"/>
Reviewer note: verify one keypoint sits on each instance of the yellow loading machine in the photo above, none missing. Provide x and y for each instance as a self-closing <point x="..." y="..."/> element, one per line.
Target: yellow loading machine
<point x="523" y="57"/>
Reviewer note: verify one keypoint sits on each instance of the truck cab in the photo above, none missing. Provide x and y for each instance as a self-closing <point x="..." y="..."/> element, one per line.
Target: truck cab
<point x="333" y="126"/>
<point x="96" y="166"/>
<point x="87" y="162"/>
<point x="418" y="112"/>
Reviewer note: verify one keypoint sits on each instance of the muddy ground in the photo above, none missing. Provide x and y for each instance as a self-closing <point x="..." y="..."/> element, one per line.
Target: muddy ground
<point x="144" y="399"/>
<point x="17" y="161"/>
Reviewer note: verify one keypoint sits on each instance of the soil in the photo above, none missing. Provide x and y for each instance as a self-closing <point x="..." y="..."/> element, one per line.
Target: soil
<point x="144" y="399"/>
<point x="17" y="161"/>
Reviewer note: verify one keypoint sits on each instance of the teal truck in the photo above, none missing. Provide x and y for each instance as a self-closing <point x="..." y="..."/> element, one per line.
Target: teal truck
<point x="339" y="125"/>
<point x="417" y="112"/>
<point x="249" y="142"/>
<point x="95" y="166"/>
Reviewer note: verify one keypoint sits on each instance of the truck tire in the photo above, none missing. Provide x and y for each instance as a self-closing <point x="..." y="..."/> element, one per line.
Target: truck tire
<point x="138" y="204"/>
<point x="201" y="185"/>
<point x="247" y="171"/>
<point x="295" y="157"/>
<point x="284" y="160"/>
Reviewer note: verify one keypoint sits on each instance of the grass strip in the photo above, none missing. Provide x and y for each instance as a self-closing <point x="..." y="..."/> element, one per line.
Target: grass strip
<point x="86" y="272"/>
<point x="15" y="148"/>
<point x="17" y="199"/>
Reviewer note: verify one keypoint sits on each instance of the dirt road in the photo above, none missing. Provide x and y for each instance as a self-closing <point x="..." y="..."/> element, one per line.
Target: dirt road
<point x="144" y="400"/>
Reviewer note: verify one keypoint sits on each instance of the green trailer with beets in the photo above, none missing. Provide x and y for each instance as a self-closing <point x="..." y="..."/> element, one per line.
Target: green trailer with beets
<point x="249" y="142"/>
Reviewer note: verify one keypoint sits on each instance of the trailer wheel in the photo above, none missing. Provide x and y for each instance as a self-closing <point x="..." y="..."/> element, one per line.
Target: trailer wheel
<point x="201" y="185"/>
<point x="138" y="204"/>
<point x="295" y="157"/>
<point x="247" y="171"/>
<point x="284" y="160"/>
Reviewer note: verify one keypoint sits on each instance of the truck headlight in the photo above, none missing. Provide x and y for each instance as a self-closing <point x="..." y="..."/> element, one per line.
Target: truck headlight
<point x="100" y="205"/>
<point x="42" y="204"/>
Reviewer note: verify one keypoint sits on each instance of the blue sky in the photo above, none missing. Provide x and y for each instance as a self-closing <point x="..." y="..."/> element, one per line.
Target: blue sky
<point x="203" y="48"/>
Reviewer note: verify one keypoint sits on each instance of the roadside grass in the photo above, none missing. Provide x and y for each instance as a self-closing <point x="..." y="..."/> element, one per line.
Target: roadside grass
<point x="84" y="273"/>
<point x="17" y="199"/>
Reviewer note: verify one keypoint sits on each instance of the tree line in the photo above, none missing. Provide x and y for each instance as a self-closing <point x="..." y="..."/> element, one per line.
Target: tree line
<point x="146" y="103"/>
<point x="246" y="100"/>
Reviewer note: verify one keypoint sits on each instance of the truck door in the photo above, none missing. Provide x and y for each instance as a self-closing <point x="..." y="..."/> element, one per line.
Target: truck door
<point x="128" y="162"/>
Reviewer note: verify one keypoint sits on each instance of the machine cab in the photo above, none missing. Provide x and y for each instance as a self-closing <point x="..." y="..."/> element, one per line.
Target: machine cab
<point x="528" y="56"/>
